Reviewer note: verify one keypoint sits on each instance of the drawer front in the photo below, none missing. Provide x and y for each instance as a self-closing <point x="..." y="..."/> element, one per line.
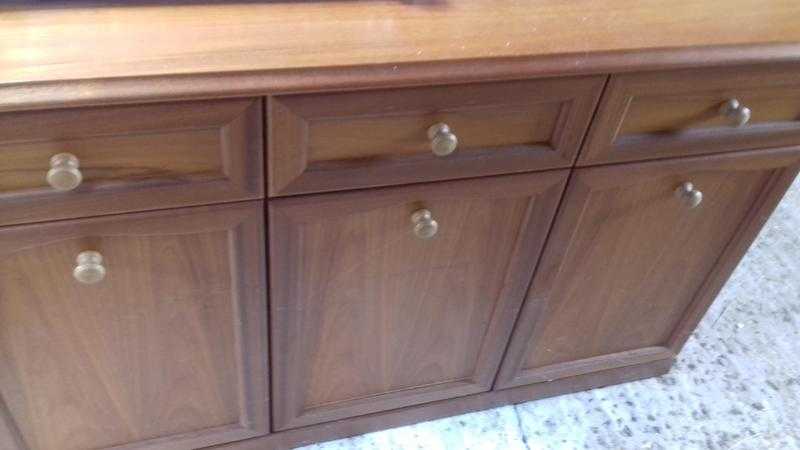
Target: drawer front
<point x="377" y="305"/>
<point x="636" y="257"/>
<point x="128" y="158"/>
<point x="165" y="349"/>
<point x="656" y="115"/>
<point x="360" y="139"/>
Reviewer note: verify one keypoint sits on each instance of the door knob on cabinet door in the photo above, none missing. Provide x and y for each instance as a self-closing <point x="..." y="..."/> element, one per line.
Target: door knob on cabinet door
<point x="89" y="267"/>
<point x="425" y="226"/>
<point x="736" y="111"/>
<point x="443" y="140"/>
<point x="64" y="174"/>
<point x="691" y="196"/>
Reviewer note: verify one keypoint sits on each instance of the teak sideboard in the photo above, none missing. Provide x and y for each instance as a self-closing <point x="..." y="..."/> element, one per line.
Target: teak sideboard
<point x="256" y="226"/>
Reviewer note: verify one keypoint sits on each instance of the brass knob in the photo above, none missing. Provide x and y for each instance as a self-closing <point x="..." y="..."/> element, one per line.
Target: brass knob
<point x="736" y="111"/>
<point x="691" y="196"/>
<point x="64" y="174"/>
<point x="425" y="227"/>
<point x="443" y="140"/>
<point x="89" y="268"/>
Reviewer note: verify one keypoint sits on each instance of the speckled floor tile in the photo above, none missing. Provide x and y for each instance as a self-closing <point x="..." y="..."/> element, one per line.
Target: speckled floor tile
<point x="735" y="386"/>
<point x="494" y="429"/>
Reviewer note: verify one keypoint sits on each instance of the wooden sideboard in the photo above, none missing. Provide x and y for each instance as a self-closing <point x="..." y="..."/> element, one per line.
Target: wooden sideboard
<point x="259" y="225"/>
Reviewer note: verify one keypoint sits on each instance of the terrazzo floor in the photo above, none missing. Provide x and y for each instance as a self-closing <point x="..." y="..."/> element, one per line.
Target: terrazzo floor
<point x="735" y="385"/>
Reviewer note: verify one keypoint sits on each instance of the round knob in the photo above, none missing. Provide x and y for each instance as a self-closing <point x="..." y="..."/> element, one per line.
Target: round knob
<point x="64" y="174"/>
<point x="691" y="196"/>
<point x="443" y="140"/>
<point x="736" y="111"/>
<point x="89" y="268"/>
<point x="425" y="227"/>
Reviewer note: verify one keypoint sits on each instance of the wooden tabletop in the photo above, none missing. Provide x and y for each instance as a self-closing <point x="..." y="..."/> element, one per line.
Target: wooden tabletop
<point x="45" y="41"/>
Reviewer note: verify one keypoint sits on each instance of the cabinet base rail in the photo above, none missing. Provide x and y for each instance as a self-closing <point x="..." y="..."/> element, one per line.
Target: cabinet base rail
<point x="430" y="411"/>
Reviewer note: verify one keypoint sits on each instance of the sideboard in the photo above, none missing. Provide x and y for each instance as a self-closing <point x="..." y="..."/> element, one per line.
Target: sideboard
<point x="258" y="225"/>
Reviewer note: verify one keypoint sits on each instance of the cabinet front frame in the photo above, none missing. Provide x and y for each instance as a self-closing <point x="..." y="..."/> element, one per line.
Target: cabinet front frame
<point x="746" y="232"/>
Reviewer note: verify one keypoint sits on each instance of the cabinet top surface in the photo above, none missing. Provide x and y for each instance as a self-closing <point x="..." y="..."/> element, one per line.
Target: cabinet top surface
<point x="75" y="40"/>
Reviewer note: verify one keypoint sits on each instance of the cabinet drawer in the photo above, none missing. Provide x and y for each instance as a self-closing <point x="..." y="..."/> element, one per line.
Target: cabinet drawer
<point x="166" y="349"/>
<point x="656" y="115"/>
<point x="359" y="139"/>
<point x="370" y="315"/>
<point x="128" y="158"/>
<point x="635" y="258"/>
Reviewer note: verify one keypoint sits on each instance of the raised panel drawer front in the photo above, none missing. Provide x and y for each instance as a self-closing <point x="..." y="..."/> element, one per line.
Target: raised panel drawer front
<point x="637" y="254"/>
<point x="89" y="161"/>
<point x="143" y="331"/>
<point x="693" y="112"/>
<point x="399" y="296"/>
<point x="326" y="142"/>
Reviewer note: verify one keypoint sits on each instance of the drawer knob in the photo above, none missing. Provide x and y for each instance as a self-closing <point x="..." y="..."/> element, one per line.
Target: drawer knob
<point x="64" y="174"/>
<point x="691" y="196"/>
<point x="89" y="268"/>
<point x="736" y="111"/>
<point x="425" y="227"/>
<point x="443" y="140"/>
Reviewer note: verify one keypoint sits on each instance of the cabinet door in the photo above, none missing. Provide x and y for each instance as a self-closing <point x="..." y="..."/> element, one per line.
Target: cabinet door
<point x="165" y="350"/>
<point x="369" y="315"/>
<point x="631" y="265"/>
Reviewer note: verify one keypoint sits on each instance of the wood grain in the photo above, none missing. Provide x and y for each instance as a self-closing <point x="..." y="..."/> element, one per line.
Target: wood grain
<point x="115" y="39"/>
<point x="627" y="260"/>
<point x="367" y="317"/>
<point x="87" y="92"/>
<point x="676" y="113"/>
<point x="748" y="230"/>
<point x="167" y="352"/>
<point x="285" y="440"/>
<point x="350" y="140"/>
<point x="131" y="157"/>
<point x="171" y="354"/>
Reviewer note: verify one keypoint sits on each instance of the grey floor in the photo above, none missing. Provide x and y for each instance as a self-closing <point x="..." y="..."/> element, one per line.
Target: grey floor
<point x="736" y="384"/>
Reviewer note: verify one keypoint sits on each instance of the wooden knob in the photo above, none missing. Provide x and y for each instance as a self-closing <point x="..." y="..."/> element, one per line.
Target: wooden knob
<point x="425" y="227"/>
<point x="89" y="268"/>
<point x="689" y="194"/>
<point x="64" y="174"/>
<point x="736" y="111"/>
<point x="443" y="140"/>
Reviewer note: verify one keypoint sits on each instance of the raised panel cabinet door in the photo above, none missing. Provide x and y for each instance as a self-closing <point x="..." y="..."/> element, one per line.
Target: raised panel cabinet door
<point x="637" y="254"/>
<point x="399" y="296"/>
<point x="156" y="340"/>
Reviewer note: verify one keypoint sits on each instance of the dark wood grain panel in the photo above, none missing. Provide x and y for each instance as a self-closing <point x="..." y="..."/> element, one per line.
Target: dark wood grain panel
<point x="325" y="142"/>
<point x="131" y="157"/>
<point x="367" y="317"/>
<point x="167" y="352"/>
<point x="629" y="267"/>
<point x="675" y="113"/>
